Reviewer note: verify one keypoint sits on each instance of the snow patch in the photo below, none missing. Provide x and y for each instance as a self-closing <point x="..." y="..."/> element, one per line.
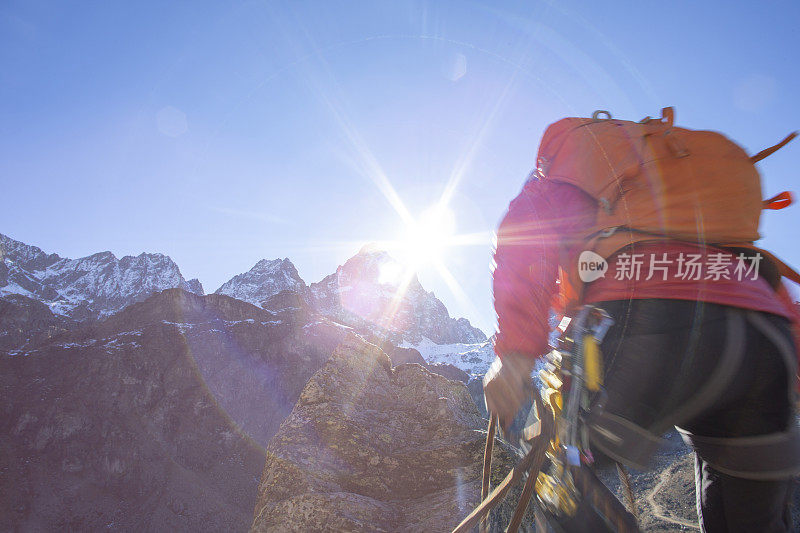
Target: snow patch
<point x="474" y="359"/>
<point x="71" y="345"/>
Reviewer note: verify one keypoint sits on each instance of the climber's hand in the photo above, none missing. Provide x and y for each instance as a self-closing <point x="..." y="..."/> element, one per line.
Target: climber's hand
<point x="506" y="386"/>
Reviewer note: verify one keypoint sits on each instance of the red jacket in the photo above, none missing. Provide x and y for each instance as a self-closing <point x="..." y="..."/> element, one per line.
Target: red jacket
<point x="547" y="215"/>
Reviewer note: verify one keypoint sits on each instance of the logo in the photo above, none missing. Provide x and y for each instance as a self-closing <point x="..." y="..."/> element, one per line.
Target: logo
<point x="678" y="266"/>
<point x="591" y="266"/>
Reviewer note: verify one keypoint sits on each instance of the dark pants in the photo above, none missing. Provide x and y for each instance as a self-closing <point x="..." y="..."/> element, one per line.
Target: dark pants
<point x="729" y="503"/>
<point x="713" y="371"/>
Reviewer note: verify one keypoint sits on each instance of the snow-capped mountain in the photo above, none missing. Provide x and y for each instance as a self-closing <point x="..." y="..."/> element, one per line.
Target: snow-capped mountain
<point x="370" y="292"/>
<point x="90" y="287"/>
<point x="266" y="279"/>
<point x="371" y="289"/>
<point x="367" y="293"/>
<point x="474" y="358"/>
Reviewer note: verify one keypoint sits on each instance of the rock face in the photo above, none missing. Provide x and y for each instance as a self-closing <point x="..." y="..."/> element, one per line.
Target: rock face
<point x="286" y="300"/>
<point x="402" y="356"/>
<point x="151" y="419"/>
<point x="87" y="288"/>
<point x="24" y="321"/>
<point x="267" y="278"/>
<point x="371" y="448"/>
<point x="369" y="291"/>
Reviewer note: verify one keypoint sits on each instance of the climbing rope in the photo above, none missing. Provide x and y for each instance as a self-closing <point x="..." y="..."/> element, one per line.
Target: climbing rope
<point x="556" y="436"/>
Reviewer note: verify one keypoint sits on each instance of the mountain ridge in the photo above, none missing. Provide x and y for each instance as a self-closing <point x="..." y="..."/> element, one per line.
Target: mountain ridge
<point x="86" y="288"/>
<point x="359" y="294"/>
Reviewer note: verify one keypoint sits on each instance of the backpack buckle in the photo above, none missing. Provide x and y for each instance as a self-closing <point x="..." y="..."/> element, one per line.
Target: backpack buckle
<point x="608" y="232"/>
<point x="597" y="115"/>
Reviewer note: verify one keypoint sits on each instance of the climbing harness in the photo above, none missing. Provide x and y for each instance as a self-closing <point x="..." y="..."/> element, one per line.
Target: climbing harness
<point x="557" y="462"/>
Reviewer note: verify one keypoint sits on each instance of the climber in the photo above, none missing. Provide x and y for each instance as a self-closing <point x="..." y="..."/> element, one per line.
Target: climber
<point x="632" y="218"/>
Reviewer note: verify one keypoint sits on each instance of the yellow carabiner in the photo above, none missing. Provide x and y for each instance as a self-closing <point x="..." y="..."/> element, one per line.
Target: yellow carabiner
<point x="593" y="363"/>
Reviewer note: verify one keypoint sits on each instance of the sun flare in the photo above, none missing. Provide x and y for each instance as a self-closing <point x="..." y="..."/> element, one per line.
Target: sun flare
<point x="426" y="239"/>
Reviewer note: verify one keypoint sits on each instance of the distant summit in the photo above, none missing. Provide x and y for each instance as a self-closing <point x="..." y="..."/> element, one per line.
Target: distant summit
<point x="266" y="279"/>
<point x="372" y="289"/>
<point x="90" y="287"/>
<point x="366" y="292"/>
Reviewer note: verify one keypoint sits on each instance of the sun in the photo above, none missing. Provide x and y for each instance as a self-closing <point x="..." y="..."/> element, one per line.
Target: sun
<point x="423" y="242"/>
<point x="426" y="239"/>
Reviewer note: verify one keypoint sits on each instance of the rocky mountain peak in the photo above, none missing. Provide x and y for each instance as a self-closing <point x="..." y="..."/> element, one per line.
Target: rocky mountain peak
<point x="273" y="265"/>
<point x="194" y="285"/>
<point x="267" y="278"/>
<point x="104" y="256"/>
<point x="24" y="255"/>
<point x="372" y="290"/>
<point x="376" y="266"/>
<point x="90" y="287"/>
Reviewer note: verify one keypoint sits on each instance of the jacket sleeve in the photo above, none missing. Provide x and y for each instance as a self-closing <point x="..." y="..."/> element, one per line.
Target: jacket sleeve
<point x="526" y="262"/>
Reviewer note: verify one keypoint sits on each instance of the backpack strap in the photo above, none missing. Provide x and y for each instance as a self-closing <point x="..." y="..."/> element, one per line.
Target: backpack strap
<point x="668" y="116"/>
<point x="772" y="149"/>
<point x="785" y="270"/>
<point x="779" y="201"/>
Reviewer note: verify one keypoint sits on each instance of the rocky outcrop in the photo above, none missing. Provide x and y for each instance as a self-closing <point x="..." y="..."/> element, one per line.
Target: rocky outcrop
<point x="87" y="288"/>
<point x="194" y="285"/>
<point x="402" y="356"/>
<point x="475" y="387"/>
<point x="26" y="256"/>
<point x="371" y="448"/>
<point x="286" y="300"/>
<point x="449" y="371"/>
<point x="153" y="419"/>
<point x="24" y="321"/>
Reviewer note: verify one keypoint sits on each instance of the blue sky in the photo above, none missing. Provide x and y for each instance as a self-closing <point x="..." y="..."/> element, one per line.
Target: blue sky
<point x="221" y="133"/>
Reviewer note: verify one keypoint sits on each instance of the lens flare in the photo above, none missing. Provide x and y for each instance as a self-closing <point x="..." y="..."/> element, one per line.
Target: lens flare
<point x="428" y="237"/>
<point x="390" y="273"/>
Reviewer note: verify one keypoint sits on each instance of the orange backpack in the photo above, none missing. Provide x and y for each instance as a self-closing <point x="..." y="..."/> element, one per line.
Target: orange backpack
<point x="654" y="180"/>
